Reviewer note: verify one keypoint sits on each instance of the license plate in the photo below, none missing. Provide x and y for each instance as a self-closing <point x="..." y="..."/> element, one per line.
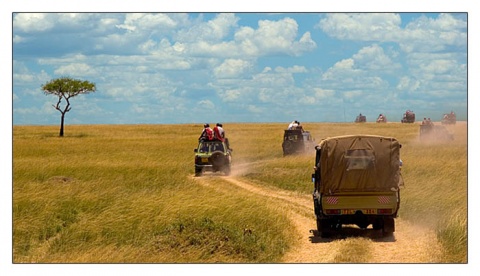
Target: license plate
<point x="204" y="160"/>
<point x="364" y="211"/>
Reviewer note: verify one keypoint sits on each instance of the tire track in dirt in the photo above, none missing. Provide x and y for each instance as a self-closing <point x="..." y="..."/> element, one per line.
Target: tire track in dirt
<point x="409" y="243"/>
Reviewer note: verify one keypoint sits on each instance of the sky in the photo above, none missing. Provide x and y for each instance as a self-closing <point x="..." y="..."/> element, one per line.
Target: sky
<point x="199" y="67"/>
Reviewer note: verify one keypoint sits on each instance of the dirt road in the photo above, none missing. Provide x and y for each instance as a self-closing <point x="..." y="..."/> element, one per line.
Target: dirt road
<point x="409" y="243"/>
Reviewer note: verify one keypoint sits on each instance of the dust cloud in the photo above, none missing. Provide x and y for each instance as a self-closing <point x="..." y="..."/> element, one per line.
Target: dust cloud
<point x="442" y="134"/>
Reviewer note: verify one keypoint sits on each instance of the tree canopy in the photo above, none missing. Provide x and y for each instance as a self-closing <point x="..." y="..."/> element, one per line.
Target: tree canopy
<point x="65" y="88"/>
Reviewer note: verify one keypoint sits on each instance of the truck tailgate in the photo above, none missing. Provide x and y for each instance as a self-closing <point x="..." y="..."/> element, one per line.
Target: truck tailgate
<point x="375" y="203"/>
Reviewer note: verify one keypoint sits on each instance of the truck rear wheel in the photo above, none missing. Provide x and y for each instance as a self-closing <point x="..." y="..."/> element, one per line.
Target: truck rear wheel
<point x="377" y="224"/>
<point x="388" y="226"/>
<point x="325" y="227"/>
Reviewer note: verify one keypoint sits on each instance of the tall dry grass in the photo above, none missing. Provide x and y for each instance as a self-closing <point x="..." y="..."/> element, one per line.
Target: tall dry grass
<point x="126" y="193"/>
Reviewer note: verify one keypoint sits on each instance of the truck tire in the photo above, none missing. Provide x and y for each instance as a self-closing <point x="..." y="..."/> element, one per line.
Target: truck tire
<point x="377" y="224"/>
<point x="388" y="226"/>
<point x="325" y="227"/>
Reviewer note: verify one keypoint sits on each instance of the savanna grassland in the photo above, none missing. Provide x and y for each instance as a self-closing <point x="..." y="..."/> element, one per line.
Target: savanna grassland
<point x="127" y="194"/>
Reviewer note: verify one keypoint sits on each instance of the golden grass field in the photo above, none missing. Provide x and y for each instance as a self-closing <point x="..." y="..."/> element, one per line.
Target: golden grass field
<point x="126" y="193"/>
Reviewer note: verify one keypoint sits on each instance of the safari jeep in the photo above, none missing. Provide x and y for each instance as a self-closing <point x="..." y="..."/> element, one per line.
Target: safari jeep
<point x="296" y="141"/>
<point x="357" y="181"/>
<point x="212" y="156"/>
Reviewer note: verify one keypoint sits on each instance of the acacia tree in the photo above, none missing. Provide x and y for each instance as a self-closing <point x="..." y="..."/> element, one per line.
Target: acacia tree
<point x="65" y="88"/>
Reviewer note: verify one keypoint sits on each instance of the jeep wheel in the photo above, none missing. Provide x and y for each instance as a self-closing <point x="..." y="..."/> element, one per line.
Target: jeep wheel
<point x="217" y="159"/>
<point x="226" y="170"/>
<point x="287" y="147"/>
<point x="198" y="171"/>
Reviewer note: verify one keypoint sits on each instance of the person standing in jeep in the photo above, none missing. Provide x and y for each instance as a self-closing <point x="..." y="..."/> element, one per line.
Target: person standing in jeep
<point x="218" y="132"/>
<point x="207" y="133"/>
<point x="293" y="125"/>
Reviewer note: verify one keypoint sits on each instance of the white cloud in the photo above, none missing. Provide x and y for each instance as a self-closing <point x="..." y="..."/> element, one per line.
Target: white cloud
<point x="307" y="100"/>
<point x="273" y="80"/>
<point x="271" y="37"/>
<point x="232" y="68"/>
<point x="32" y="22"/>
<point x="424" y="34"/>
<point x="145" y="22"/>
<point x="368" y="70"/>
<point x="435" y="67"/>
<point x="274" y="37"/>
<point x="439" y="72"/>
<point x="323" y="93"/>
<point x="373" y="58"/>
<point x="19" y="39"/>
<point x="71" y="58"/>
<point x="305" y="44"/>
<point x="23" y="76"/>
<point x="206" y="104"/>
<point x="219" y="27"/>
<point x="138" y="109"/>
<point x="211" y="31"/>
<point x="408" y="84"/>
<point x="352" y="94"/>
<point x="361" y="26"/>
<point x="293" y="69"/>
<point x="254" y="109"/>
<point x="433" y="34"/>
<point x="76" y="70"/>
<point x="341" y="69"/>
<point x="231" y="95"/>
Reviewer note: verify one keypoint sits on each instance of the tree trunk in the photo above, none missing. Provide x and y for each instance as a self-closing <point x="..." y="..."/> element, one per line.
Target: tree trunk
<point x="61" y="124"/>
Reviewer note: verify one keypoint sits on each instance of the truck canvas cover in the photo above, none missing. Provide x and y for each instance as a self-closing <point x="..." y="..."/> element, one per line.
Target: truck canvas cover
<point x="359" y="163"/>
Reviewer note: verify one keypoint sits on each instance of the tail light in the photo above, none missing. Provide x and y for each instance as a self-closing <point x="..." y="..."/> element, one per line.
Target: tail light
<point x="384" y="211"/>
<point x="333" y="211"/>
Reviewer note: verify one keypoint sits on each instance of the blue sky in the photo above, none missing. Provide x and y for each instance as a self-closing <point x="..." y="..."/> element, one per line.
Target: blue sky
<point x="241" y="67"/>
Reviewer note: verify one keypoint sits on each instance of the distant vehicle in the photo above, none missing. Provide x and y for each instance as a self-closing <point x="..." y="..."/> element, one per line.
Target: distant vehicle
<point x="449" y="118"/>
<point x="357" y="180"/>
<point x="408" y="117"/>
<point x="381" y="118"/>
<point x="430" y="132"/>
<point x="361" y="118"/>
<point x="214" y="156"/>
<point x="296" y="141"/>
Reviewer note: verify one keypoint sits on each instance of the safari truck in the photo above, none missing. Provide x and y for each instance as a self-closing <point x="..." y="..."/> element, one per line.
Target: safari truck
<point x="297" y="141"/>
<point x="357" y="181"/>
